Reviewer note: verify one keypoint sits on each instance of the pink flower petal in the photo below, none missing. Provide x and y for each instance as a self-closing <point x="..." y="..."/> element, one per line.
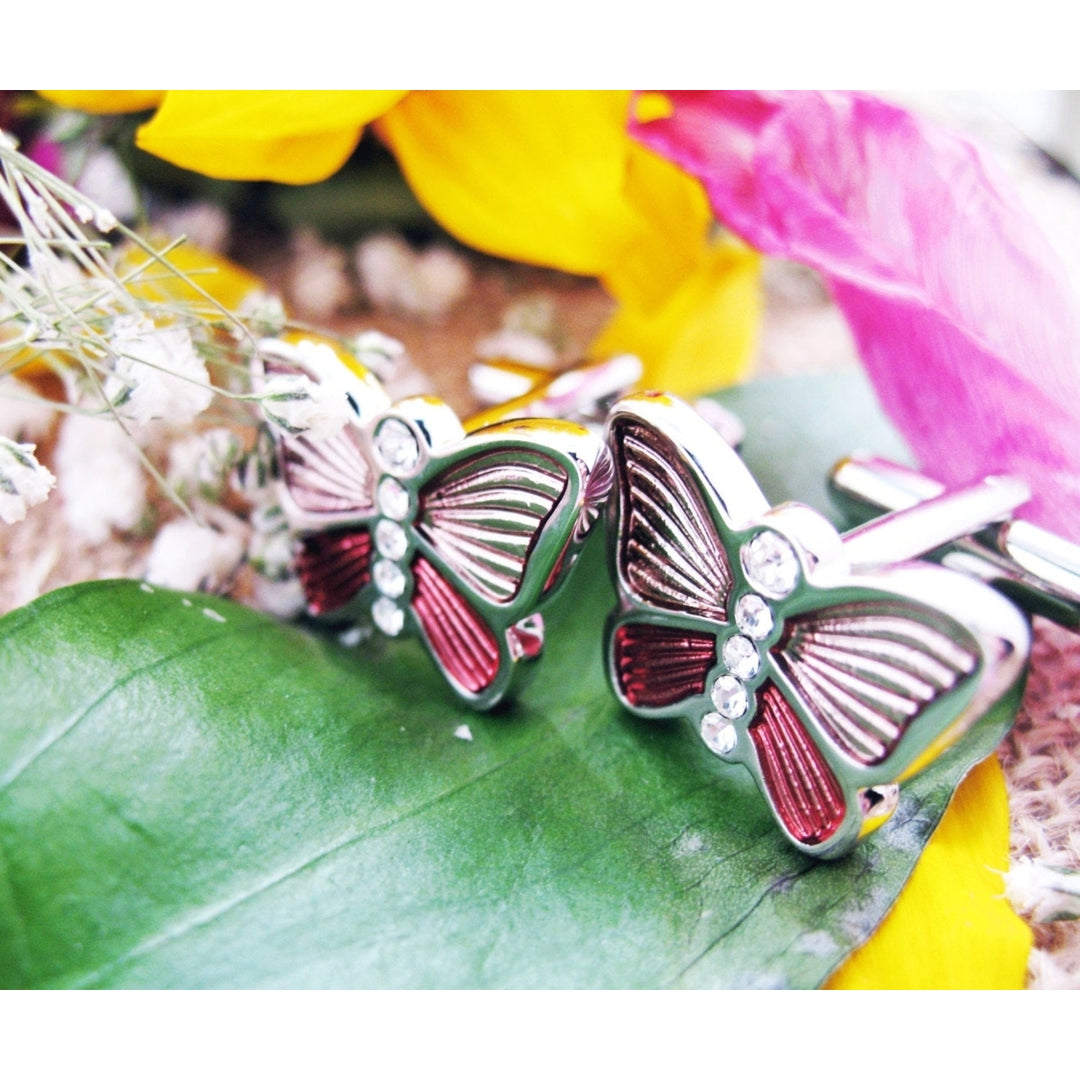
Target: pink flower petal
<point x="961" y="310"/>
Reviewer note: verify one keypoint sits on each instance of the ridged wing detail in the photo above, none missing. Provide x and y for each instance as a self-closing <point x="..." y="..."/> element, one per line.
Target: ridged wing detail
<point x="805" y="795"/>
<point x="669" y="554"/>
<point x="483" y="515"/>
<point x="463" y="643"/>
<point x="657" y="666"/>
<point x="327" y="477"/>
<point x="868" y="669"/>
<point x="333" y="567"/>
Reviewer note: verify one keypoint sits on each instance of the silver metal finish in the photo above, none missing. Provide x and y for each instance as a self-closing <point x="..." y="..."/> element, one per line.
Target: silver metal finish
<point x="828" y="680"/>
<point x="405" y="520"/>
<point x="915" y="530"/>
<point x="1033" y="566"/>
<point x="584" y="393"/>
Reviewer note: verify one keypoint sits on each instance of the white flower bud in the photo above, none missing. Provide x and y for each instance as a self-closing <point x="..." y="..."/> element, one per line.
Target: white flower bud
<point x="191" y="557"/>
<point x="100" y="477"/>
<point x="24" y="481"/>
<point x="157" y="374"/>
<point x="1044" y="893"/>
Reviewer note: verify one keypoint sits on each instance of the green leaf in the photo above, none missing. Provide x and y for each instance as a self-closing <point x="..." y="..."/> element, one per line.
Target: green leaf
<point x="192" y="795"/>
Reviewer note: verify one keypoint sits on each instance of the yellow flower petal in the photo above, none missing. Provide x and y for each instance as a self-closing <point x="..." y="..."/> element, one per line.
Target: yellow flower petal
<point x="291" y="136"/>
<point x="223" y="280"/>
<point x="951" y="927"/>
<point x="652" y="105"/>
<point x="704" y="334"/>
<point x="552" y="178"/>
<point x="672" y="229"/>
<point x="530" y="175"/>
<point x="104" y="101"/>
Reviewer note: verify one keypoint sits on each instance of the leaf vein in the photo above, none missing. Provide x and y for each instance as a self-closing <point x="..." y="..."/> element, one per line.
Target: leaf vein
<point x="52" y="738"/>
<point x="211" y="912"/>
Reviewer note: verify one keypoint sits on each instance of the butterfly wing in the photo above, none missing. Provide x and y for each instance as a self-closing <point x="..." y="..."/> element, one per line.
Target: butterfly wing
<point x="327" y="491"/>
<point x="869" y="669"/>
<point x="656" y="666"/>
<point x="670" y="533"/>
<point x="327" y="482"/>
<point x="484" y="514"/>
<point x="500" y="520"/>
<point x="464" y="645"/>
<point x="333" y="567"/>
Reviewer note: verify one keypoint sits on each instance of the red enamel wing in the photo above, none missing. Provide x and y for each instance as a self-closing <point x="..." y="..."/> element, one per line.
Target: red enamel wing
<point x="405" y="521"/>
<point x="828" y="682"/>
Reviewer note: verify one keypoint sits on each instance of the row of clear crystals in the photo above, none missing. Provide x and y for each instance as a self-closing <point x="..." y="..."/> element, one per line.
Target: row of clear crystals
<point x="398" y="452"/>
<point x="772" y="568"/>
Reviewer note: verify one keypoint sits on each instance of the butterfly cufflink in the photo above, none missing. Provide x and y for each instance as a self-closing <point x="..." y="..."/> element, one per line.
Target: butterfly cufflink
<point x="405" y="521"/>
<point x="828" y="671"/>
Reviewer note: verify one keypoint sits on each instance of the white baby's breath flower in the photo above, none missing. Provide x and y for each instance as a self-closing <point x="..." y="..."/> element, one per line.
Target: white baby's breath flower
<point x="318" y="282"/>
<point x="300" y="406"/>
<point x="254" y="472"/>
<point x="190" y="556"/>
<point x="100" y="477"/>
<point x="1044" y="893"/>
<point x="426" y="285"/>
<point x="381" y="354"/>
<point x="24" y="481"/>
<point x="282" y="599"/>
<point x="201" y="464"/>
<point x="58" y="275"/>
<point x="384" y="263"/>
<point x="263" y="312"/>
<point x="270" y="549"/>
<point x="385" y="357"/>
<point x="157" y="374"/>
<point x="319" y="361"/>
<point x="517" y="345"/>
<point x="203" y="223"/>
<point x="23" y="414"/>
<point x="107" y="184"/>
<point x="315" y="404"/>
<point x="443" y="279"/>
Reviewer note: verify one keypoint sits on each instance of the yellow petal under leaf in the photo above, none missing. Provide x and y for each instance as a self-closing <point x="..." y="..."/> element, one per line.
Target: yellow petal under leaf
<point x="289" y="136"/>
<point x="535" y="176"/>
<point x="705" y="333"/>
<point x="952" y="929"/>
<point x="104" y="101"/>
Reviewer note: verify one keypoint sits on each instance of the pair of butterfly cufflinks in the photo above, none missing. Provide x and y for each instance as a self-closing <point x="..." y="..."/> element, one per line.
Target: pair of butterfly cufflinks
<point x="830" y="682"/>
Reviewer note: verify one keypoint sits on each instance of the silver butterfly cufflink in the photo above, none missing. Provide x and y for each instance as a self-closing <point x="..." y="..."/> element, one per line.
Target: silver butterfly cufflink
<point x="825" y="665"/>
<point x="405" y="521"/>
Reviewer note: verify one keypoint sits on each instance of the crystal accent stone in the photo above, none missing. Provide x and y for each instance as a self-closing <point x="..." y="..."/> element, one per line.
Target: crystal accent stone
<point x="771" y="564"/>
<point x="741" y="657"/>
<point x="389" y="578"/>
<point x="389" y="618"/>
<point x="719" y="734"/>
<point x="396" y="446"/>
<point x="753" y="616"/>
<point x="730" y="697"/>
<point x="390" y="539"/>
<point x="393" y="499"/>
